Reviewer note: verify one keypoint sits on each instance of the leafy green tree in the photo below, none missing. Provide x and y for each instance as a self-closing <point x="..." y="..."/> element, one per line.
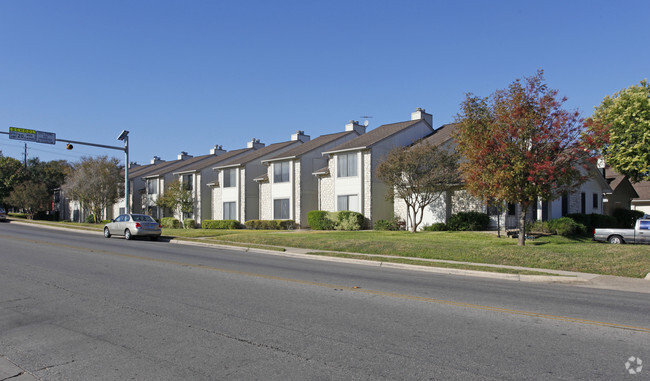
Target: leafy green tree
<point x="177" y="197"/>
<point x="31" y="196"/>
<point x="520" y="145"/>
<point x="96" y="183"/>
<point x="419" y="175"/>
<point x="52" y="173"/>
<point x="12" y="173"/>
<point x="626" y="117"/>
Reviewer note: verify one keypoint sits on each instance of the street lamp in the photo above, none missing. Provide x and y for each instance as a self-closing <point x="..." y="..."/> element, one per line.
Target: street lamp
<point x="124" y="136"/>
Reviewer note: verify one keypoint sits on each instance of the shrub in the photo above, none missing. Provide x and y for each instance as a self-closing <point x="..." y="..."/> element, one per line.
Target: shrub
<point x="594" y="220"/>
<point x="566" y="227"/>
<point x="221" y="224"/>
<point x="391" y="225"/>
<point x="106" y="221"/>
<point x="348" y="220"/>
<point x="89" y="220"/>
<point x="170" y="223"/>
<point x="318" y="220"/>
<point x="271" y="224"/>
<point x="538" y="227"/>
<point x="189" y="223"/>
<point x="627" y="218"/>
<point x="468" y="221"/>
<point x="437" y="227"/>
<point x="17" y="215"/>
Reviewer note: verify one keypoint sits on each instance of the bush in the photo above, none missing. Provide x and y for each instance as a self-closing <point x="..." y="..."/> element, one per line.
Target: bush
<point x="437" y="227"/>
<point x="271" y="224"/>
<point x="17" y="215"/>
<point x="170" y="223"/>
<point x="538" y="227"/>
<point x="189" y="223"/>
<point x="106" y="221"/>
<point x="566" y="227"/>
<point x="593" y="221"/>
<point x="89" y="220"/>
<point x="348" y="220"/>
<point x="627" y="218"/>
<point x="468" y="221"/>
<point x="317" y="220"/>
<point x="221" y="224"/>
<point x="390" y="225"/>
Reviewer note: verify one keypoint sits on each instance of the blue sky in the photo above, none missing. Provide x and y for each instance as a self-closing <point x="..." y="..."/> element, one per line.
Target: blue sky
<point x="186" y="75"/>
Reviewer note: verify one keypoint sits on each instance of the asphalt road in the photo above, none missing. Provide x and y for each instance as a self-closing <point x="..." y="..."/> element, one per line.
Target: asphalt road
<point x="75" y="306"/>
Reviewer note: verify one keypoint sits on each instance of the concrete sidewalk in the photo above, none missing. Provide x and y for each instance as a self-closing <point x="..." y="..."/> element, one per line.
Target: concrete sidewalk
<point x="11" y="371"/>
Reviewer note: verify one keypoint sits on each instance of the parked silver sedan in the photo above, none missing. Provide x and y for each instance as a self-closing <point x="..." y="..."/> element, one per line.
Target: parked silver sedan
<point x="131" y="225"/>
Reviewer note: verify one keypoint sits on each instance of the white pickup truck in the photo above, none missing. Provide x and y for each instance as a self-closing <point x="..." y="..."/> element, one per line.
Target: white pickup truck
<point x="640" y="233"/>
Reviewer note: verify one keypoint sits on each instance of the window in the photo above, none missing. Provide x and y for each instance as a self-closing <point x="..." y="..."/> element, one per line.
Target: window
<point x="595" y="201"/>
<point x="230" y="210"/>
<point x="565" y="205"/>
<point x="512" y="209"/>
<point x="347" y="165"/>
<point x="187" y="182"/>
<point x="281" y="172"/>
<point x="229" y="178"/>
<point x="348" y="202"/>
<point x="152" y="186"/>
<point x="281" y="209"/>
<point x="583" y="203"/>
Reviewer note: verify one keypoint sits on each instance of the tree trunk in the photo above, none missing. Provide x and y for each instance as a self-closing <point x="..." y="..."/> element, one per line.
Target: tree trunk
<point x="522" y="224"/>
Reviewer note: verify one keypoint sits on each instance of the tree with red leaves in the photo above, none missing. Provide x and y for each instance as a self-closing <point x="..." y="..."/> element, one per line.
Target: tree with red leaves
<point x="521" y="145"/>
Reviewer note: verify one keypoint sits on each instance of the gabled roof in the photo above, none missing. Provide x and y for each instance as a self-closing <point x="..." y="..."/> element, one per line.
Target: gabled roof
<point x="311" y="145"/>
<point x="210" y="161"/>
<point x="642" y="188"/>
<point x="442" y="135"/>
<point x="141" y="172"/>
<point x="257" y="154"/>
<point x="617" y="180"/>
<point x="375" y="136"/>
<point x="161" y="170"/>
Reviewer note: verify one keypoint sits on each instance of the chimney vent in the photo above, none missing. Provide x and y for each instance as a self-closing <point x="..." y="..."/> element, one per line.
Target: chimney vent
<point x="354" y="125"/>
<point x="184" y="156"/>
<point x="300" y="135"/>
<point x="217" y="150"/>
<point x="255" y="144"/>
<point x="156" y="160"/>
<point x="421" y="114"/>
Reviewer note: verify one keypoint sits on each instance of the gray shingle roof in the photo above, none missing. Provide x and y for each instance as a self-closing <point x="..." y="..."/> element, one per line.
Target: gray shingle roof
<point x="257" y="154"/>
<point x="161" y="169"/>
<point x="311" y="145"/>
<point x="442" y="134"/>
<point x="375" y="136"/>
<point x="211" y="160"/>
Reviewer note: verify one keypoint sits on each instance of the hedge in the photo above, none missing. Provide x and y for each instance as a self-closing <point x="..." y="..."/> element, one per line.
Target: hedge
<point x="170" y="223"/>
<point x="317" y="220"/>
<point x="343" y="220"/>
<point x="271" y="224"/>
<point x="221" y="224"/>
<point x="189" y="223"/>
<point x="468" y="221"/>
<point x="627" y="218"/>
<point x="390" y="225"/>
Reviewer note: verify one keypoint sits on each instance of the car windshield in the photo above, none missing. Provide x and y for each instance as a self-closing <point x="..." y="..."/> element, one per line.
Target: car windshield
<point x="142" y="218"/>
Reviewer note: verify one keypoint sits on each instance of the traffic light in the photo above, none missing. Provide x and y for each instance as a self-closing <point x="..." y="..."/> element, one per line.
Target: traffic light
<point x="69" y="146"/>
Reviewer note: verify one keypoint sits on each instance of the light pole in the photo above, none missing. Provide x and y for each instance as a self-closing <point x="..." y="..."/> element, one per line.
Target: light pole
<point x="124" y="136"/>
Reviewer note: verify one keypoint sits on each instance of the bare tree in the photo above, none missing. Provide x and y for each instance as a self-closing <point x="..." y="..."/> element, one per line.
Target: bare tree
<point x="419" y="175"/>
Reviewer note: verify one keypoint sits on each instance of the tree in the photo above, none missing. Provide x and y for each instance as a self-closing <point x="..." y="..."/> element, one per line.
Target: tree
<point x="521" y="145"/>
<point x="626" y="116"/>
<point x="11" y="174"/>
<point x="52" y="173"/>
<point x="96" y="183"/>
<point x="31" y="196"/>
<point x="419" y="175"/>
<point x="177" y="196"/>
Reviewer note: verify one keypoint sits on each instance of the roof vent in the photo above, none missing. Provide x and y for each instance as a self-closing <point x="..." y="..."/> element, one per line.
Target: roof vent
<point x="354" y="125"/>
<point x="184" y="156"/>
<point x="217" y="150"/>
<point x="156" y="160"/>
<point x="300" y="135"/>
<point x="255" y="144"/>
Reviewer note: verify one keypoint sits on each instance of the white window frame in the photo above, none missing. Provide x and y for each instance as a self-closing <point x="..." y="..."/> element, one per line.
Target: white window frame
<point x="347" y="167"/>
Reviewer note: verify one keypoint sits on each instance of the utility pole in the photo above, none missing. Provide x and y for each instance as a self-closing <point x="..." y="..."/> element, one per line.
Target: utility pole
<point x="25" y="156"/>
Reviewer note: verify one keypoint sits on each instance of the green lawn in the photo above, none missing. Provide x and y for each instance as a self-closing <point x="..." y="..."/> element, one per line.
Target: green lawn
<point x="580" y="254"/>
<point x="559" y="253"/>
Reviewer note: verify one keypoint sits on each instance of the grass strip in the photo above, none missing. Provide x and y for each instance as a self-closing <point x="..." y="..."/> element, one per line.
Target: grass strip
<point x="230" y="243"/>
<point x="408" y="261"/>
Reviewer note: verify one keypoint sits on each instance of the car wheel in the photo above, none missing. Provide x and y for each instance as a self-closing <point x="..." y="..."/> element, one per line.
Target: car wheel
<point x="615" y="239"/>
<point x="107" y="233"/>
<point x="127" y="234"/>
<point x="153" y="238"/>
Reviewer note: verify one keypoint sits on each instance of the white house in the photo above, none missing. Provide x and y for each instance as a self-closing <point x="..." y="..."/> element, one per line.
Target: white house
<point x="235" y="195"/>
<point x="349" y="182"/>
<point x="288" y="190"/>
